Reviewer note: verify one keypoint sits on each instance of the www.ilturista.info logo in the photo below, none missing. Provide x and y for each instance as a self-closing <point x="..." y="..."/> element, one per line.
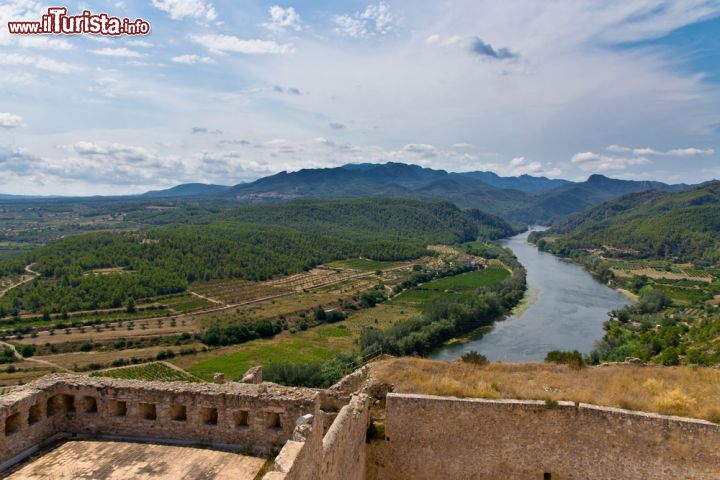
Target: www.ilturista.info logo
<point x="57" y="21"/>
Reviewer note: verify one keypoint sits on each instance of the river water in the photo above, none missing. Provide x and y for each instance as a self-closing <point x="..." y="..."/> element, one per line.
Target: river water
<point x="564" y="309"/>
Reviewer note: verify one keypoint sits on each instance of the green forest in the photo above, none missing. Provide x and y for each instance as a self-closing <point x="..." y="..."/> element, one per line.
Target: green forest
<point x="683" y="227"/>
<point x="253" y="243"/>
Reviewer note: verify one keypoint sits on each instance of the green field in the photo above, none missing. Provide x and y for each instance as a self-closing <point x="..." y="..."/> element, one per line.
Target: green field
<point x="310" y="346"/>
<point x="470" y="281"/>
<point x="158" y="372"/>
<point x="456" y="286"/>
<point x="185" y="303"/>
<point x="685" y="296"/>
<point x="322" y="343"/>
<point x="362" y="264"/>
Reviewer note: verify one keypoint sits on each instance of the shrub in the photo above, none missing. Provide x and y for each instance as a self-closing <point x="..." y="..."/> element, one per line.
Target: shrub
<point x="27" y="350"/>
<point x="294" y="375"/>
<point x="474" y="358"/>
<point x="574" y="358"/>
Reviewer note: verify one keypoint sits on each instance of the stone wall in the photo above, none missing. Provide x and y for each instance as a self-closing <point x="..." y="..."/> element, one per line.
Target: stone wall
<point x="261" y="416"/>
<point x="339" y="455"/>
<point x="430" y="437"/>
<point x="343" y="448"/>
<point x="425" y="437"/>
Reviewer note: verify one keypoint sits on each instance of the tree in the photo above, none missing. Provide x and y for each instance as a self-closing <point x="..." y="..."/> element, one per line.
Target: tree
<point x="130" y="308"/>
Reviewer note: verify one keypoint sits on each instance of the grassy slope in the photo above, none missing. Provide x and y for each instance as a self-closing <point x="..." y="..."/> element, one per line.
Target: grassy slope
<point x="681" y="391"/>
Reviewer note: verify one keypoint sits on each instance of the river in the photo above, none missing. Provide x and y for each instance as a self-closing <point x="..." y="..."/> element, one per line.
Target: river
<point x="564" y="309"/>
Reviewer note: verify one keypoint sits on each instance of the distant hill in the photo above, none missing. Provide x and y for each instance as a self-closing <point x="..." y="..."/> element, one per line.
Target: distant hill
<point x="187" y="190"/>
<point x="403" y="219"/>
<point x="683" y="226"/>
<point x="576" y="197"/>
<point x="524" y="183"/>
<point x="519" y="200"/>
<point x="550" y="200"/>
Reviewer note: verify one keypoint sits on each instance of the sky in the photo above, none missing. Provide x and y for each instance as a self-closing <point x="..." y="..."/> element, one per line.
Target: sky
<point x="227" y="91"/>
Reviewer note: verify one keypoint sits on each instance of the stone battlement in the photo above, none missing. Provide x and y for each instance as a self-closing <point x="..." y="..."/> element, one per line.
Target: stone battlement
<point x="258" y="415"/>
<point x="325" y="434"/>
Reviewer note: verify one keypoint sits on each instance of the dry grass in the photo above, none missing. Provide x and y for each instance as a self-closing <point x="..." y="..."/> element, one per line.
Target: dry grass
<point x="684" y="391"/>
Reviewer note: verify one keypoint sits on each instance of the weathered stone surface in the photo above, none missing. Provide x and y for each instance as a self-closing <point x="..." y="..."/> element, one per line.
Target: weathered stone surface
<point x="234" y="414"/>
<point x="253" y="375"/>
<point x="124" y="460"/>
<point x="425" y="437"/>
<point x="439" y="437"/>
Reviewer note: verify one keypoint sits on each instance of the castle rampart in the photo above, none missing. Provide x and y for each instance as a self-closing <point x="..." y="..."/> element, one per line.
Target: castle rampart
<point x="258" y="415"/>
<point x="430" y="437"/>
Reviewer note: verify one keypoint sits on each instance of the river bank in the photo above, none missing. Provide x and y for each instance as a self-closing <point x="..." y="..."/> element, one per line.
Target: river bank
<point x="565" y="309"/>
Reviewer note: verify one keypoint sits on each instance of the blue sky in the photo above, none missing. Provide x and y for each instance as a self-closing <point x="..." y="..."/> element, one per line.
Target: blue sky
<point x="228" y="91"/>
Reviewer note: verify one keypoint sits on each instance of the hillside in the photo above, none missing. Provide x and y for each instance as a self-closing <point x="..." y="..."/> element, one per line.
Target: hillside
<point x="186" y="190"/>
<point x="521" y="200"/>
<point x="524" y="183"/>
<point x="252" y="243"/>
<point x="681" y="226"/>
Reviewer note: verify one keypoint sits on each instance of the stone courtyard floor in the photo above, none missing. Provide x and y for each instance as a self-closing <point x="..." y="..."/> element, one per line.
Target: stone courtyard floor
<point x="84" y="459"/>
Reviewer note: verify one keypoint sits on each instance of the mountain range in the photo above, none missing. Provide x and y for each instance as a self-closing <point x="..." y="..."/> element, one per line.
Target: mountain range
<point x="521" y="200"/>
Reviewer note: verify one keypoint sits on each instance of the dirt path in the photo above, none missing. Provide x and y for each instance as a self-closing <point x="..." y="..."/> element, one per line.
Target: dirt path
<point x="31" y="359"/>
<point x="211" y="300"/>
<point x="228" y="306"/>
<point x="23" y="279"/>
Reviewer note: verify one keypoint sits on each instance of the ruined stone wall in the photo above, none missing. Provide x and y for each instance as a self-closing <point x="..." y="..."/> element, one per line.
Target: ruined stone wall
<point x="430" y="437"/>
<point x="339" y="455"/>
<point x="261" y="416"/>
<point x="343" y="448"/>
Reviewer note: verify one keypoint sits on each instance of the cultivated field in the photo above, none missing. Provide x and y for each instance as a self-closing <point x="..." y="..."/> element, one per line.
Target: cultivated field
<point x="152" y="372"/>
<point x="172" y="325"/>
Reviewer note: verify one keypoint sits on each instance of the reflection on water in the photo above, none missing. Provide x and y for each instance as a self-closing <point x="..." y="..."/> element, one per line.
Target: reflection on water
<point x="565" y="310"/>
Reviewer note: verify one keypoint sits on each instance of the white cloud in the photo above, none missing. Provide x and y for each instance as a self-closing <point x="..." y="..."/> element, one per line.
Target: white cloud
<point x="228" y="43"/>
<point x="283" y="18"/>
<point x="45" y="43"/>
<point x="121" y="52"/>
<point x="590" y="161"/>
<point x="32" y="10"/>
<point x="192" y="59"/>
<point x="18" y="162"/>
<point x="8" y="121"/>
<point x="41" y="63"/>
<point x="675" y="152"/>
<point x="423" y="149"/>
<point x="684" y="152"/>
<point x="181" y="9"/>
<point x="139" y="43"/>
<point x="374" y="20"/>
<point x="522" y="166"/>
<point x="117" y="152"/>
